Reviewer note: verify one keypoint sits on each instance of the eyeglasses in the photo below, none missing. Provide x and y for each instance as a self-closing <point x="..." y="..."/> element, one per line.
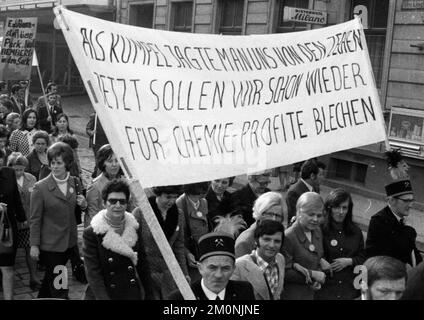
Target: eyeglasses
<point x="272" y="215"/>
<point x="263" y="183"/>
<point x="115" y="201"/>
<point x="406" y="200"/>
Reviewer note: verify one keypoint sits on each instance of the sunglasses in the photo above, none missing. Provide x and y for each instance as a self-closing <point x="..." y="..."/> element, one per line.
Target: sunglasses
<point x="115" y="201"/>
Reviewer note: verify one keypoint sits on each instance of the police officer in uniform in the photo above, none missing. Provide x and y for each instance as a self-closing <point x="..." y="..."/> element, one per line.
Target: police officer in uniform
<point x="387" y="233"/>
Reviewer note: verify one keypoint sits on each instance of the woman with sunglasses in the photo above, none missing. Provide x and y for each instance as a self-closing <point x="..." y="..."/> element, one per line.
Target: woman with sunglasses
<point x="53" y="225"/>
<point x="343" y="247"/>
<point x="114" y="254"/>
<point x="110" y="169"/>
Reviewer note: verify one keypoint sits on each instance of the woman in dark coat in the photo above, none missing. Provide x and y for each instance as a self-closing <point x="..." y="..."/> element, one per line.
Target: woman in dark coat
<point x="11" y="205"/>
<point x="343" y="247"/>
<point x="219" y="199"/>
<point x="172" y="223"/>
<point x="37" y="159"/>
<point x="117" y="268"/>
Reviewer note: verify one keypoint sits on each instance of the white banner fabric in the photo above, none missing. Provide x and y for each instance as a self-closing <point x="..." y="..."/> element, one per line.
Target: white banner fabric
<point x="183" y="107"/>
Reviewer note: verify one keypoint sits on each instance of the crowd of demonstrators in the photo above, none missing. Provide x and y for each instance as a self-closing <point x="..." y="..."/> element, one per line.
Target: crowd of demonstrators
<point x="43" y="199"/>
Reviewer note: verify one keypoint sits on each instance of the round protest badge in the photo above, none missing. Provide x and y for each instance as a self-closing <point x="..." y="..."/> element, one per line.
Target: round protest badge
<point x="311" y="247"/>
<point x="199" y="214"/>
<point x="334" y="242"/>
<point x="71" y="190"/>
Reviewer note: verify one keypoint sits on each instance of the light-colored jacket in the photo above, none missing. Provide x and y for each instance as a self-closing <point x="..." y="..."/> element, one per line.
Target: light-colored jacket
<point x="245" y="242"/>
<point x="298" y="249"/>
<point x="52" y="216"/>
<point x="247" y="270"/>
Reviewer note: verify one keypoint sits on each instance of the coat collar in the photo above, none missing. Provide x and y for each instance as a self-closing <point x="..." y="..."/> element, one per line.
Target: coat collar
<point x="54" y="189"/>
<point x="316" y="235"/>
<point x="200" y="295"/>
<point x="121" y="244"/>
<point x="255" y="276"/>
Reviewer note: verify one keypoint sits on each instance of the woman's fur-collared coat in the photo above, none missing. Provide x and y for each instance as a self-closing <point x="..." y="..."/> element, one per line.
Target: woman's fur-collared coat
<point x="116" y="265"/>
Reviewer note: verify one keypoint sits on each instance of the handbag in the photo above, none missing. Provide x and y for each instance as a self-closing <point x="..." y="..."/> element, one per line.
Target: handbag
<point x="6" y="233"/>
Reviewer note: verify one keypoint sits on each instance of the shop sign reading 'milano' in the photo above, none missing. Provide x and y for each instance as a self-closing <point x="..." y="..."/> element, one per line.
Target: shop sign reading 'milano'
<point x="305" y="15"/>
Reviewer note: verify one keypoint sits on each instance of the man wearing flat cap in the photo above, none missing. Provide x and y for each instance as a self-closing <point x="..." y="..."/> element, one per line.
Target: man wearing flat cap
<point x="387" y="233"/>
<point x="216" y="265"/>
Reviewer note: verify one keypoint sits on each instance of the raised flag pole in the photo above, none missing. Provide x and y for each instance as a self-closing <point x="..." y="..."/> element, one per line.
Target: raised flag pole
<point x="35" y="63"/>
<point x="95" y="129"/>
<point x="136" y="187"/>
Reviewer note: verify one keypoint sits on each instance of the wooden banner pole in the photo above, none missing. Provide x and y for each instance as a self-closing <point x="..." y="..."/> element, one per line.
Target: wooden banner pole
<point x="156" y="230"/>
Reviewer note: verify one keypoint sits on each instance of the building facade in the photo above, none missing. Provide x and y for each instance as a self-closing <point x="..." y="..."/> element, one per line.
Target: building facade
<point x="395" y="37"/>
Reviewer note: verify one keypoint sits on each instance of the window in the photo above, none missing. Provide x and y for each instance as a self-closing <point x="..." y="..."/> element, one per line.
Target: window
<point x="348" y="170"/>
<point x="231" y="17"/>
<point x="374" y="18"/>
<point x="182" y="16"/>
<point x="141" y="15"/>
<point x="290" y="26"/>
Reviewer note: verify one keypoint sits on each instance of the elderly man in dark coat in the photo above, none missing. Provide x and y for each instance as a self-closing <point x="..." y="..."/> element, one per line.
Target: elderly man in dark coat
<point x="387" y="233"/>
<point x="216" y="266"/>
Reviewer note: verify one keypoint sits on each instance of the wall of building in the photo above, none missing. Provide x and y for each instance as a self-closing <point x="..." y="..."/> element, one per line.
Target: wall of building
<point x="406" y="73"/>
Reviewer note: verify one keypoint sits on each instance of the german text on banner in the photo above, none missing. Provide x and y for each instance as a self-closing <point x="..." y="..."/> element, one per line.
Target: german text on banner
<point x="186" y="107"/>
<point x="17" y="48"/>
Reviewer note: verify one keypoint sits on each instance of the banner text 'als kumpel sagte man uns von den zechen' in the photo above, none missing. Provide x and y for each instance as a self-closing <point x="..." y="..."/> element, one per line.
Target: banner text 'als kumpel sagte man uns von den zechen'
<point x="194" y="107"/>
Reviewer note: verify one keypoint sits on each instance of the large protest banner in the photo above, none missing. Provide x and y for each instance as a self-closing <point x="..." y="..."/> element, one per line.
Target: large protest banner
<point x="179" y="108"/>
<point x="196" y="107"/>
<point x="17" y="48"/>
